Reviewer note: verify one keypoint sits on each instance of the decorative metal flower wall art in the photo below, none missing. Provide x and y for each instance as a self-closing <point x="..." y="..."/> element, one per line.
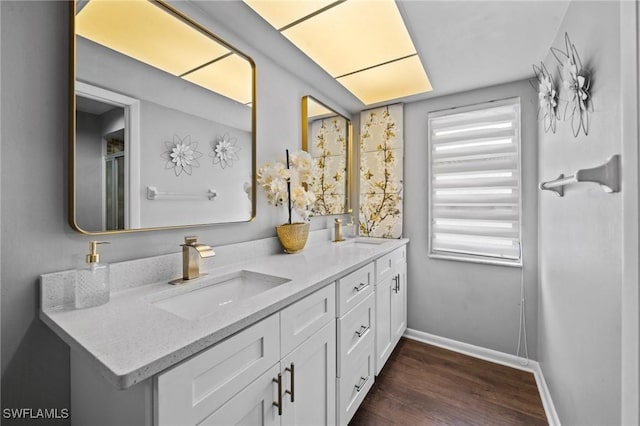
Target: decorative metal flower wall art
<point x="181" y="155"/>
<point x="548" y="102"/>
<point x="576" y="80"/>
<point x="224" y="150"/>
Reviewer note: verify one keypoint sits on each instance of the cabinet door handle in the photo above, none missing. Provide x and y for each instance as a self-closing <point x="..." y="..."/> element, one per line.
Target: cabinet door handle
<point x="293" y="375"/>
<point x="363" y="329"/>
<point x="361" y="286"/>
<point x="396" y="287"/>
<point x="279" y="403"/>
<point x="360" y="385"/>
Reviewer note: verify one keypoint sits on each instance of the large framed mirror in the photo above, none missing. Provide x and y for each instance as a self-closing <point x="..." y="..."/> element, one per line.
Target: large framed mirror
<point x="327" y="135"/>
<point x="162" y="121"/>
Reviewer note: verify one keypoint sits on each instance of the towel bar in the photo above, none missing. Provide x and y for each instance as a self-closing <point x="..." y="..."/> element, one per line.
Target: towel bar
<point x="607" y="175"/>
<point x="154" y="194"/>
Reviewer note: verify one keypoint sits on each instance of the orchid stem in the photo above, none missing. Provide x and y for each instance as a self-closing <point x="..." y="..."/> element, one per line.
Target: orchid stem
<point x="288" y="187"/>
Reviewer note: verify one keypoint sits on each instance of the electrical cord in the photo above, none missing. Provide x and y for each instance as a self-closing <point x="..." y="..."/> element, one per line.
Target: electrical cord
<point x="522" y="330"/>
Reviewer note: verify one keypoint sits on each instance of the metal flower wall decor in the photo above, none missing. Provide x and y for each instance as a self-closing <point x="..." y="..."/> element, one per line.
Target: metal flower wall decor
<point x="576" y="80"/>
<point x="548" y="105"/>
<point x="224" y="150"/>
<point x="181" y="155"/>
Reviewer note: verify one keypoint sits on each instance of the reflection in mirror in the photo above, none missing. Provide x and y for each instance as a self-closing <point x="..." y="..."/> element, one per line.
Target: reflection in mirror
<point x="326" y="135"/>
<point x="163" y="118"/>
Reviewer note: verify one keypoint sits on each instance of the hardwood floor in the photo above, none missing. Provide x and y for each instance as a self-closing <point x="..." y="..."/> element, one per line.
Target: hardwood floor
<point x="426" y="385"/>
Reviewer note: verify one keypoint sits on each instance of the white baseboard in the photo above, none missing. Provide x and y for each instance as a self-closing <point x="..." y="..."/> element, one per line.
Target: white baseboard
<point x="495" y="357"/>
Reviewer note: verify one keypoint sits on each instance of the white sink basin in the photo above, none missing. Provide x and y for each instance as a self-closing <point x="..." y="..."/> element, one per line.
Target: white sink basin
<point x="364" y="242"/>
<point x="211" y="293"/>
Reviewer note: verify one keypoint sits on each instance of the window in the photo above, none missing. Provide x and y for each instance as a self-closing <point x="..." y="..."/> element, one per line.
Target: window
<point x="475" y="184"/>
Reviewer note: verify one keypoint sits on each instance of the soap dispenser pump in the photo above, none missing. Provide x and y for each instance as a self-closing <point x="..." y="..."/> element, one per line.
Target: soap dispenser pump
<point x="92" y="279"/>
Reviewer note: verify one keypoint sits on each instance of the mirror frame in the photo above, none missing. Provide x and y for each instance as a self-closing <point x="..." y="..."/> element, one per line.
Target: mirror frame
<point x="72" y="123"/>
<point x="349" y="152"/>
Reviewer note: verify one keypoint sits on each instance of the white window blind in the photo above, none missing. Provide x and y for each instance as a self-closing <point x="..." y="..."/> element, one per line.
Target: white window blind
<point x="475" y="183"/>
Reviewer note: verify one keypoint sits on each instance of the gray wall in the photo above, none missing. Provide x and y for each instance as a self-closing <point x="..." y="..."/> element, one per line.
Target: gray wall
<point x="472" y="303"/>
<point x="581" y="264"/>
<point x="34" y="86"/>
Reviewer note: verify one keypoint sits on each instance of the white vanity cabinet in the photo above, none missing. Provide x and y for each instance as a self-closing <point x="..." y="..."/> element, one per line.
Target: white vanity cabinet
<point x="391" y="303"/>
<point x="310" y="363"/>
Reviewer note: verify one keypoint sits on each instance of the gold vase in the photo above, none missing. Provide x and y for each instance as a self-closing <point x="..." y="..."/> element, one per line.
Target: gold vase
<point x="293" y="236"/>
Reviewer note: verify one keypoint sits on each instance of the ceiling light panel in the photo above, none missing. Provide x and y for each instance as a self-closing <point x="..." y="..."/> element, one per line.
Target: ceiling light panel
<point x="227" y="76"/>
<point x="389" y="81"/>
<point x="282" y="13"/>
<point x="318" y="110"/>
<point x="147" y="33"/>
<point x="353" y="35"/>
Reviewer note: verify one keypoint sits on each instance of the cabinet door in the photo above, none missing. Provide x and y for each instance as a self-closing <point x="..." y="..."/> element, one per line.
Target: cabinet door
<point x="384" y="334"/>
<point x="253" y="406"/>
<point x="399" y="303"/>
<point x="309" y="380"/>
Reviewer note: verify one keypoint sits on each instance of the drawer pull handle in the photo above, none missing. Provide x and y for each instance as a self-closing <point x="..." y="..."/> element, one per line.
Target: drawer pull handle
<point x="361" y="286"/>
<point x="293" y="375"/>
<point x="363" y="329"/>
<point x="279" y="403"/>
<point x="363" y="381"/>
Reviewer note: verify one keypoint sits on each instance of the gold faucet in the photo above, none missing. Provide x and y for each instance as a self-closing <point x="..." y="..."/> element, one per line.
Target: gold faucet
<point x="338" y="231"/>
<point x="191" y="259"/>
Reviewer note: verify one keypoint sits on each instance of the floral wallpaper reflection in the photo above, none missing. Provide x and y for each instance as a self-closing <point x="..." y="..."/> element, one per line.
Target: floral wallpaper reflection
<point x="329" y="148"/>
<point x="381" y="153"/>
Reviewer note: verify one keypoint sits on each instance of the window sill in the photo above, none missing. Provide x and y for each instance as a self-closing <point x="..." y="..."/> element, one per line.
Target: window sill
<point x="474" y="259"/>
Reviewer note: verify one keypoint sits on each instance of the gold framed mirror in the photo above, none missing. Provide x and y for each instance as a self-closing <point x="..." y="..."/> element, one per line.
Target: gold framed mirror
<point x="327" y="136"/>
<point x="162" y="121"/>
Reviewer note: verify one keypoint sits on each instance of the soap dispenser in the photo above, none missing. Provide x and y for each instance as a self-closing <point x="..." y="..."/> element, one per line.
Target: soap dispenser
<point x="92" y="279"/>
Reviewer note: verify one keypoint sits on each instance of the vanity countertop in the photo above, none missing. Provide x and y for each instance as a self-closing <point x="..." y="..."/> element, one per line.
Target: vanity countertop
<point x="129" y="339"/>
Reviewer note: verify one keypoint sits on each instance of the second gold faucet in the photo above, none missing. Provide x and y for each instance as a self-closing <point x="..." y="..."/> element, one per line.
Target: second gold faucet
<point x="192" y="251"/>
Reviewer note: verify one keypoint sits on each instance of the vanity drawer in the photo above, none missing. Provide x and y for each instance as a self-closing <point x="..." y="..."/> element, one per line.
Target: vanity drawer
<point x="355" y="333"/>
<point x="354" y="385"/>
<point x="192" y="390"/>
<point x="305" y="317"/>
<point x="385" y="264"/>
<point x="354" y="288"/>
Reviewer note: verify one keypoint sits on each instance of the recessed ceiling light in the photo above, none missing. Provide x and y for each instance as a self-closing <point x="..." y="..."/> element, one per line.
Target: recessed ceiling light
<point x="389" y="81"/>
<point x="227" y="76"/>
<point x="149" y="34"/>
<point x="364" y="44"/>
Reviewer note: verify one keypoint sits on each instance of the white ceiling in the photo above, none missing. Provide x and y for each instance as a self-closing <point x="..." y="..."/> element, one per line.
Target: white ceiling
<point x="463" y="45"/>
<point x="471" y="44"/>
